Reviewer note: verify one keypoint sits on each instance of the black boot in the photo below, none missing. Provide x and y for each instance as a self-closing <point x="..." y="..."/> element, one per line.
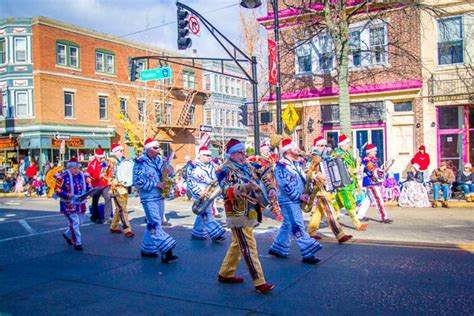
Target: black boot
<point x="168" y="256"/>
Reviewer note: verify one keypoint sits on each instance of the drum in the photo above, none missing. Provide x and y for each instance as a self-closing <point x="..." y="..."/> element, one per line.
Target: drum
<point x="125" y="173"/>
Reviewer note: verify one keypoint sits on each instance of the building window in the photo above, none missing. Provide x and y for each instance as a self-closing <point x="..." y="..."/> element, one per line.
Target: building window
<point x="221" y="84"/>
<point x="141" y="64"/>
<point x="232" y="86"/>
<point x="208" y="116"/>
<point x="237" y="88"/>
<point x="105" y="61"/>
<point x="450" y="41"/>
<point x="141" y="110"/>
<point x="189" y="80"/>
<point x="20" y="49"/>
<point x="227" y="84"/>
<point x="222" y="117"/>
<point x="303" y="57"/>
<point x="103" y="104"/>
<point x="2" y="105"/>
<point x="216" y="83"/>
<point x="378" y="45"/>
<point x="227" y="118"/>
<point x="168" y="107"/>
<point x="207" y="82"/>
<point x="67" y="54"/>
<point x="355" y="50"/>
<point x="3" y="51"/>
<point x="124" y="108"/>
<point x="158" y="113"/>
<point x="403" y="106"/>
<point x="68" y="104"/>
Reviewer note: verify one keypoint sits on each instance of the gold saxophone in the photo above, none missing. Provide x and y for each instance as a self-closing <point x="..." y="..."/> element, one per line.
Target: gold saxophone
<point x="53" y="181"/>
<point x="166" y="180"/>
<point x="312" y="192"/>
<point x="210" y="194"/>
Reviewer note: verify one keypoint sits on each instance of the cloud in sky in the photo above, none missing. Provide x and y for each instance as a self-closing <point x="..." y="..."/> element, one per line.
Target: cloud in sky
<point x="120" y="17"/>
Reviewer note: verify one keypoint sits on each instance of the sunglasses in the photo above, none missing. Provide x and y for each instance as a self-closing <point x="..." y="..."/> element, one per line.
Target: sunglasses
<point x="155" y="148"/>
<point x="207" y="155"/>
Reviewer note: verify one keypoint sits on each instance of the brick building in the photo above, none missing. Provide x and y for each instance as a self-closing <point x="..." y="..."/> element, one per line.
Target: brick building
<point x="61" y="80"/>
<point x="385" y="79"/>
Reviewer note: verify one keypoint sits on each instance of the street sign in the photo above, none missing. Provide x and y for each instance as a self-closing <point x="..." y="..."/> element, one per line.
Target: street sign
<point x="205" y="128"/>
<point x="194" y="26"/>
<point x="290" y="117"/>
<point x="62" y="137"/>
<point x="156" y="74"/>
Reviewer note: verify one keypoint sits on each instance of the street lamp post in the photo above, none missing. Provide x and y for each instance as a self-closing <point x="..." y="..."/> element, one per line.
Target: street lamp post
<point x="252" y="4"/>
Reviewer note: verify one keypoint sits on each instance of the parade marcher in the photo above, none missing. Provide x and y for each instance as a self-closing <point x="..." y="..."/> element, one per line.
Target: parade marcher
<point x="148" y="178"/>
<point x="372" y="182"/>
<point x="96" y="170"/>
<point x="465" y="181"/>
<point x="442" y="178"/>
<point x="201" y="174"/>
<point x="324" y="204"/>
<point x="264" y="161"/>
<point x="238" y="180"/>
<point x="291" y="181"/>
<point x="119" y="194"/>
<point x="73" y="183"/>
<point x="422" y="159"/>
<point x="345" y="195"/>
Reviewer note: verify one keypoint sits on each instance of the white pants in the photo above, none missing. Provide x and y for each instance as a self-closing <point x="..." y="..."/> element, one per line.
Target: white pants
<point x="373" y="196"/>
<point x="74" y="220"/>
<point x="155" y="238"/>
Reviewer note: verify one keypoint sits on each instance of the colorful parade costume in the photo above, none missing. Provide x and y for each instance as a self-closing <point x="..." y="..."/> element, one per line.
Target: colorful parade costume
<point x="200" y="176"/>
<point x="96" y="169"/>
<point x="243" y="214"/>
<point x="74" y="212"/>
<point x="345" y="195"/>
<point x="325" y="207"/>
<point x="147" y="174"/>
<point x="291" y="180"/>
<point x="372" y="181"/>
<point x="119" y="195"/>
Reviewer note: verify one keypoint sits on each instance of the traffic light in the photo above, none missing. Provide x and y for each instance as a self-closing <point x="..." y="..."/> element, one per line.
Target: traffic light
<point x="184" y="42"/>
<point x="134" y="70"/>
<point x="243" y="115"/>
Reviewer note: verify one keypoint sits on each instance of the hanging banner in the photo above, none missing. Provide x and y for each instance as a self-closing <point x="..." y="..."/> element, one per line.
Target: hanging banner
<point x="272" y="62"/>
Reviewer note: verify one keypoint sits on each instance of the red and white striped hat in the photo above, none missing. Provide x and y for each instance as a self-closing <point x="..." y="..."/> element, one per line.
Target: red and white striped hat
<point x="115" y="148"/>
<point x="370" y="148"/>
<point x="99" y="153"/>
<point x="287" y="144"/>
<point x="264" y="147"/>
<point x="343" y="140"/>
<point x="149" y="143"/>
<point x="319" y="141"/>
<point x="204" y="151"/>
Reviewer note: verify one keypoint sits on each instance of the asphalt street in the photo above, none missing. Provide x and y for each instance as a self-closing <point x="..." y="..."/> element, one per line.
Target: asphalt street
<point x="421" y="264"/>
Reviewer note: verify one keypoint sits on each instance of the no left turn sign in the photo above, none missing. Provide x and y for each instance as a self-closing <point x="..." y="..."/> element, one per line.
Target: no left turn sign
<point x="194" y="25"/>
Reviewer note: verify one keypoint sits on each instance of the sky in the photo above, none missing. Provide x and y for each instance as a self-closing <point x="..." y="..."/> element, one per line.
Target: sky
<point x="122" y="17"/>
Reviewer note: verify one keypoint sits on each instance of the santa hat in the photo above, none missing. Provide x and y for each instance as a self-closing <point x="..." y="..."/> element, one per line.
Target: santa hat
<point x="99" y="153"/>
<point x="343" y="140"/>
<point x="234" y="145"/>
<point x="287" y="144"/>
<point x="204" y="151"/>
<point x="115" y="148"/>
<point x="264" y="147"/>
<point x="73" y="163"/>
<point x="370" y="147"/>
<point x="149" y="143"/>
<point x="319" y="141"/>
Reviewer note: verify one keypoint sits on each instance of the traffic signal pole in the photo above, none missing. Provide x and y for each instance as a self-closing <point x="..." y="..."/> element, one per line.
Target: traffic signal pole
<point x="256" y="125"/>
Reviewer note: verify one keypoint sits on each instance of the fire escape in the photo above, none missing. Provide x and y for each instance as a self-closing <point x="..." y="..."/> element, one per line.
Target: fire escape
<point x="187" y="111"/>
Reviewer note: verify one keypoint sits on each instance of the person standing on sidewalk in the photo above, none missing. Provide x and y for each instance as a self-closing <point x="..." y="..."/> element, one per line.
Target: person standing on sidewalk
<point x="422" y="159"/>
<point x="73" y="183"/>
<point x="345" y="195"/>
<point x="96" y="170"/>
<point x="238" y="180"/>
<point x="119" y="193"/>
<point x="201" y="174"/>
<point x="325" y="207"/>
<point x="148" y="178"/>
<point x="291" y="181"/>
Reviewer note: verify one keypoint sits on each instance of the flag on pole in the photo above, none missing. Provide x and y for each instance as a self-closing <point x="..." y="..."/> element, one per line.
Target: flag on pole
<point x="272" y="63"/>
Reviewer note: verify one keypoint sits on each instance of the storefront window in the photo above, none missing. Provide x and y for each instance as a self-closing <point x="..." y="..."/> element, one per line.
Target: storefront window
<point x="450" y="117"/>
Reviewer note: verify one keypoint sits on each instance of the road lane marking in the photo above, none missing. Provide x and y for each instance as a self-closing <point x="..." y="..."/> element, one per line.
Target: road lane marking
<point x="39" y="234"/>
<point x="29" y="218"/>
<point x="26" y="226"/>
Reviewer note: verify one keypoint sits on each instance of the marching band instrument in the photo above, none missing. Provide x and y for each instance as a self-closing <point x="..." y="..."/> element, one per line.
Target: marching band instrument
<point x="379" y="174"/>
<point x="308" y="190"/>
<point x="165" y="177"/>
<point x="260" y="195"/>
<point x="53" y="181"/>
<point x="210" y="194"/>
<point x="125" y="173"/>
<point x="337" y="175"/>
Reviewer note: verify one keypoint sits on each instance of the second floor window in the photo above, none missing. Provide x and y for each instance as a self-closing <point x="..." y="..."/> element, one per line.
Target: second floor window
<point x="67" y="54"/>
<point x="303" y="57"/>
<point x="141" y="110"/>
<point x="68" y="104"/>
<point x="105" y="62"/>
<point x="3" y="51"/>
<point x="208" y="116"/>
<point x="20" y="49"/>
<point x="378" y="45"/>
<point x="325" y="53"/>
<point x="189" y="80"/>
<point x="103" y="104"/>
<point x="124" y="108"/>
<point x="207" y="82"/>
<point x="168" y="107"/>
<point x="158" y="113"/>
<point x="450" y="41"/>
<point x="355" y="48"/>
